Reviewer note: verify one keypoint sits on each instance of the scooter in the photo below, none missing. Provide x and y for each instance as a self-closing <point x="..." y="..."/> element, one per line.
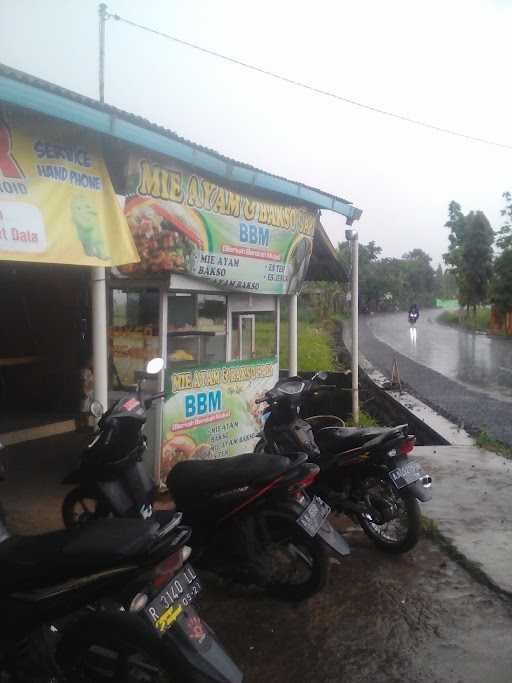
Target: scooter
<point x="364" y="473"/>
<point x="111" y="600"/>
<point x="112" y="478"/>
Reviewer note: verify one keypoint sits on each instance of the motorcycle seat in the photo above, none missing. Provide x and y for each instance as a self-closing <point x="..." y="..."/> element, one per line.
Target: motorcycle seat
<point x="338" y="439"/>
<point x="36" y="561"/>
<point x="193" y="478"/>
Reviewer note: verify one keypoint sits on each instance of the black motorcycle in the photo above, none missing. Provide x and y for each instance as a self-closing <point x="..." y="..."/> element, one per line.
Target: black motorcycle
<point x="364" y="473"/>
<point x="111" y="600"/>
<point x="254" y="522"/>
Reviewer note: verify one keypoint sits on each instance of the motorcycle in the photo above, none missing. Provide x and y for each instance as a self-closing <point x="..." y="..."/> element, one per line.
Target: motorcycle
<point x="231" y="503"/>
<point x="253" y="521"/>
<point x="413" y="317"/>
<point x="111" y="600"/>
<point x="364" y="473"/>
<point x="112" y="478"/>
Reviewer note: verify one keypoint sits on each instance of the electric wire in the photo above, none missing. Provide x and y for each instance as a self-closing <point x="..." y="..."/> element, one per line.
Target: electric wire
<point x="311" y="88"/>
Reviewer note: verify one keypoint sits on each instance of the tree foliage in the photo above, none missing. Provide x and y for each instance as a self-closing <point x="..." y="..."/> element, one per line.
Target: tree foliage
<point x="470" y="256"/>
<point x="391" y="283"/>
<point x="501" y="287"/>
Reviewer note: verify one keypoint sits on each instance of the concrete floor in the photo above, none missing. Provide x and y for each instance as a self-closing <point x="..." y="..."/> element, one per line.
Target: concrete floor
<point x="382" y="619"/>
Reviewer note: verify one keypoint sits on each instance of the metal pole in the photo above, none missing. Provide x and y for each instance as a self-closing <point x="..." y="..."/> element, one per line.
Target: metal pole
<point x="102" y="11"/>
<point x="355" y="327"/>
<point x="292" y="336"/>
<point x="99" y="335"/>
<point x="98" y="285"/>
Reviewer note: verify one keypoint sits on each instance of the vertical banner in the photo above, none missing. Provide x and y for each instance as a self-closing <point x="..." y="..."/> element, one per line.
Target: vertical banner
<point x="185" y="223"/>
<point x="57" y="203"/>
<point x="210" y="411"/>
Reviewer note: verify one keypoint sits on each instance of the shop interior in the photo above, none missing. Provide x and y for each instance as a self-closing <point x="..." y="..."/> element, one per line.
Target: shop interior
<point x="44" y="342"/>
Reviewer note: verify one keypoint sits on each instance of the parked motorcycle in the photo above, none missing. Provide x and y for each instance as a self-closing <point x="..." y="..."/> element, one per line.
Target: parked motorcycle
<point x="112" y="479"/>
<point x="111" y="600"/>
<point x="244" y="510"/>
<point x="364" y="473"/>
<point x="254" y="522"/>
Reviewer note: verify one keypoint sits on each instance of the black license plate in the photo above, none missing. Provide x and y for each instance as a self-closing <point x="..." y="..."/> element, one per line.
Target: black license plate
<point x="406" y="474"/>
<point x="179" y="593"/>
<point x="314" y="516"/>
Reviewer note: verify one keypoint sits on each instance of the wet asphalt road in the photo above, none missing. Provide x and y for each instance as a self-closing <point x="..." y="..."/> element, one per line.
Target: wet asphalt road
<point x="419" y="618"/>
<point x="466" y="377"/>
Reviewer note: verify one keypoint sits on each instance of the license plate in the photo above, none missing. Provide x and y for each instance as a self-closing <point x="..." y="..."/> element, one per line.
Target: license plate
<point x="168" y="605"/>
<point x="313" y="516"/>
<point x="406" y="474"/>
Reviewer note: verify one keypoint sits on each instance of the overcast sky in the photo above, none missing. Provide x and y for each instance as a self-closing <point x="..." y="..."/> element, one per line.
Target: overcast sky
<point x="443" y="61"/>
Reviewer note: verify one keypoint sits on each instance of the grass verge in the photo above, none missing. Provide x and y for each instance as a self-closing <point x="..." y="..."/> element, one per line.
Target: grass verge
<point x="316" y="348"/>
<point x="480" y="321"/>
<point x="489" y="443"/>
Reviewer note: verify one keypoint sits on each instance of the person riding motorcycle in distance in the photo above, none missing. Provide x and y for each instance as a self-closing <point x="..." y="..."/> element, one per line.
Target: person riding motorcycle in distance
<point x="414" y="311"/>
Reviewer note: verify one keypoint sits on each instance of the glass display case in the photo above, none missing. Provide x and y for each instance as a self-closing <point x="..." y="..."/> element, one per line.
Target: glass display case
<point x="196" y="329"/>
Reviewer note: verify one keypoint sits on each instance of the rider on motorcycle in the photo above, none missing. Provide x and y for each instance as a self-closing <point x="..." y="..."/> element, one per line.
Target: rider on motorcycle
<point x="414" y="312"/>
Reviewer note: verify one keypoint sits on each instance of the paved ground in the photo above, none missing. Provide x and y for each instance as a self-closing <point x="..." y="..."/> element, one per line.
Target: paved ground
<point x="472" y="507"/>
<point x="475" y="409"/>
<point x="416" y="619"/>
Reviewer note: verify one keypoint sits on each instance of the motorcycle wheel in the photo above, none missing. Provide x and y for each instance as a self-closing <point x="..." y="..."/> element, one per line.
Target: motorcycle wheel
<point x="400" y="534"/>
<point x="79" y="507"/>
<point x="119" y="648"/>
<point x="297" y="563"/>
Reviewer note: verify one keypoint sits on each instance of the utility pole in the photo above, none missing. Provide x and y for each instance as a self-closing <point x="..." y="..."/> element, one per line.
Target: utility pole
<point x="102" y="11"/>
<point x="353" y="239"/>
<point x="98" y="283"/>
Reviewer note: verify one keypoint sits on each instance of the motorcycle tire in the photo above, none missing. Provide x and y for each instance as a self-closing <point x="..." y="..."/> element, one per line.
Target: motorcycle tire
<point x="411" y="536"/>
<point x="97" y="644"/>
<point x="287" y="538"/>
<point x="76" y="497"/>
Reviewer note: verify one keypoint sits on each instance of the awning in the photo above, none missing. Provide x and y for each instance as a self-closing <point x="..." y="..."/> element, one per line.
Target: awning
<point x="57" y="203"/>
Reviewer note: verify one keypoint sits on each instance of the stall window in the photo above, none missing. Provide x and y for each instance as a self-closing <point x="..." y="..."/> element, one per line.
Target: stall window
<point x="196" y="332"/>
<point x="253" y="335"/>
<point x="133" y="334"/>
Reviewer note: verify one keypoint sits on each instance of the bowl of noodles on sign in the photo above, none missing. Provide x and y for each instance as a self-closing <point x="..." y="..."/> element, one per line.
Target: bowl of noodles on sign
<point x="166" y="240"/>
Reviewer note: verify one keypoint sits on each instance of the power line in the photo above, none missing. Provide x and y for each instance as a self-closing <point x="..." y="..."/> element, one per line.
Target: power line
<point x="311" y="88"/>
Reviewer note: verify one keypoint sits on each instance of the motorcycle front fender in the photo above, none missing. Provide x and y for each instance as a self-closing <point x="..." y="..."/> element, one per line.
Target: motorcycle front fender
<point x="195" y="641"/>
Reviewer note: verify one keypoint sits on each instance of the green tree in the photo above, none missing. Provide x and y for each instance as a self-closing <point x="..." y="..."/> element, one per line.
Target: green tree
<point x="469" y="256"/>
<point x="501" y="286"/>
<point x="420" y="277"/>
<point x="477" y="258"/>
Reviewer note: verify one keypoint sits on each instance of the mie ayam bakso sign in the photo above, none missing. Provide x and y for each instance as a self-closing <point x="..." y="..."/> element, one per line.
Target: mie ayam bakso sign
<point x="185" y="223"/>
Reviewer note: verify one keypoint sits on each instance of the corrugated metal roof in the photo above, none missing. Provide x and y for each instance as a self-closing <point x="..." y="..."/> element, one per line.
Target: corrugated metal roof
<point x="51" y="99"/>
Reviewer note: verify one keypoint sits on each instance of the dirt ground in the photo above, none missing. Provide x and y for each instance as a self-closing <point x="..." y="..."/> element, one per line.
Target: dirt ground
<point x="381" y="619"/>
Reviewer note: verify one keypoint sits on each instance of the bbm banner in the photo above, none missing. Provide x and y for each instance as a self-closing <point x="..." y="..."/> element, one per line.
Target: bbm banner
<point x="57" y="204"/>
<point x="185" y="223"/>
<point x="210" y="411"/>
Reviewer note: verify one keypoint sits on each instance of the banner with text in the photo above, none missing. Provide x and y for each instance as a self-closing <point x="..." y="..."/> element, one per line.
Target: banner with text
<point x="210" y="411"/>
<point x="184" y="223"/>
<point x="57" y="204"/>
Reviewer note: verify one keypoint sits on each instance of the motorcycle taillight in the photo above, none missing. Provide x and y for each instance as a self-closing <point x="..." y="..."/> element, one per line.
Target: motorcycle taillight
<point x="164" y="571"/>
<point x="407" y="445"/>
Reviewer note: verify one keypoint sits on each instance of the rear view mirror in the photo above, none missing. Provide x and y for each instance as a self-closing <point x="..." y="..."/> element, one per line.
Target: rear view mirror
<point x="96" y="409"/>
<point x="154" y="366"/>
